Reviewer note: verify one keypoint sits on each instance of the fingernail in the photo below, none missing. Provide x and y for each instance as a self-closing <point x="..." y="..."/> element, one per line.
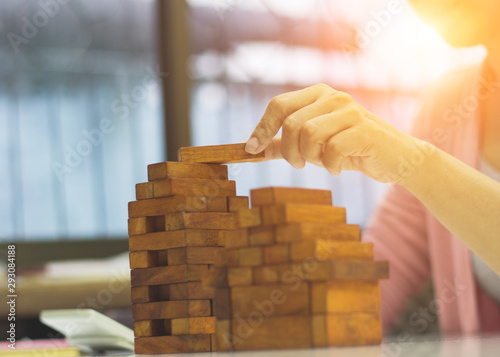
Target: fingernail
<point x="252" y="145"/>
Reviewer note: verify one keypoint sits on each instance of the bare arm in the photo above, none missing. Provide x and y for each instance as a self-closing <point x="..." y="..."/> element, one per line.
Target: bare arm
<point x="328" y="128"/>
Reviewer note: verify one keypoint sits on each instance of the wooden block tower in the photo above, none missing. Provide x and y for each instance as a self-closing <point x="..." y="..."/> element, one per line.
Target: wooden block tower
<point x="175" y="227"/>
<point x="295" y="275"/>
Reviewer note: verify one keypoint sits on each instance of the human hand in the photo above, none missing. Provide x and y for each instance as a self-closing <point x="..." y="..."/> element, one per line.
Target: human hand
<point x="328" y="128"/>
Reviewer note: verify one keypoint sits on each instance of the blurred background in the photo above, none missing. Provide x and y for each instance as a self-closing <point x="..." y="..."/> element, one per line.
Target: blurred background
<point x="91" y="92"/>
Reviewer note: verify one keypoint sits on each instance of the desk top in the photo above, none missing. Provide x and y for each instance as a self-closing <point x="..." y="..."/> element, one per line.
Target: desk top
<point x="485" y="346"/>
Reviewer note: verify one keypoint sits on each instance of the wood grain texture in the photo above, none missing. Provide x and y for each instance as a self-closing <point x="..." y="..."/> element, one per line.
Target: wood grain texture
<point x="222" y="303"/>
<point x="354" y="329"/>
<point x="173" y="169"/>
<point x="235" y="203"/>
<point x="223" y="335"/>
<point x="193" y="325"/>
<point x="194" y="187"/>
<point x="164" y="205"/>
<point x="295" y="212"/>
<point x="172" y="344"/>
<point x="201" y="220"/>
<point x="358" y="270"/>
<point x="142" y="259"/>
<point x="236" y="238"/>
<point x="218" y="154"/>
<point x="351" y="296"/>
<point x="261" y="235"/>
<point x="278" y="253"/>
<point x="265" y="275"/>
<point x="144" y="190"/>
<point x="141" y="294"/>
<point x="190" y="291"/>
<point x="146" y="328"/>
<point x="279" y="195"/>
<point x="167" y="275"/>
<point x="168" y="240"/>
<point x="191" y="255"/>
<point x="325" y="249"/>
<point x="238" y="276"/>
<point x="170" y="309"/>
<point x="249" y="217"/>
<point x="311" y="231"/>
<point x="141" y="225"/>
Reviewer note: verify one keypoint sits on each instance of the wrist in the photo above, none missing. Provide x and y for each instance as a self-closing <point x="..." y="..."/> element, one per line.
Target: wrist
<point x="419" y="161"/>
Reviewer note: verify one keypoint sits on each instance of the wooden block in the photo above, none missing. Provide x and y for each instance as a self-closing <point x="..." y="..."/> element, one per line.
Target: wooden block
<point x="250" y="256"/>
<point x="349" y="296"/>
<point x="173" y="169"/>
<point x="172" y="344"/>
<point x="278" y="253"/>
<point x="319" y="333"/>
<point x="201" y="220"/>
<point x="196" y="187"/>
<point x="216" y="238"/>
<point x="312" y="231"/>
<point x="279" y="195"/>
<point x="190" y="291"/>
<point x="218" y="154"/>
<point x="193" y="325"/>
<point x="144" y="190"/>
<point x="295" y="212"/>
<point x="148" y="328"/>
<point x="318" y="297"/>
<point x="141" y="225"/>
<point x="192" y="255"/>
<point x="275" y="332"/>
<point x="358" y="270"/>
<point x="236" y="238"/>
<point x="325" y="249"/>
<point x="167" y="275"/>
<point x="143" y="294"/>
<point x="170" y="310"/>
<point x="261" y="235"/>
<point x="235" y="203"/>
<point x="265" y="275"/>
<point x="222" y="303"/>
<point x="274" y="299"/>
<point x="353" y="329"/>
<point x="238" y="276"/>
<point x="142" y="259"/>
<point x="215" y="277"/>
<point x="163" y="205"/>
<point x="250" y="217"/>
<point x="168" y="240"/>
<point x="227" y="258"/>
<point x="223" y="335"/>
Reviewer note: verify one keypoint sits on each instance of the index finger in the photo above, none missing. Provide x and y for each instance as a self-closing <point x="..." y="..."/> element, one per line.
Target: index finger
<point x="277" y="110"/>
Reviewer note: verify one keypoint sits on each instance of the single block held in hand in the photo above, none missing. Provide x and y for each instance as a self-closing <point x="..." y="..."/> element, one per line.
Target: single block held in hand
<point x="218" y="154"/>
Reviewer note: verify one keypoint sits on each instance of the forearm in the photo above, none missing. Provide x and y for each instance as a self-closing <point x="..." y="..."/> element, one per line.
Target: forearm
<point x="462" y="199"/>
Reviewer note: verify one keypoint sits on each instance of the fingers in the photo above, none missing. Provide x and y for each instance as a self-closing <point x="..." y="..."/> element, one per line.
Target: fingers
<point x="273" y="150"/>
<point x="278" y="109"/>
<point x="343" y="150"/>
<point x="316" y="132"/>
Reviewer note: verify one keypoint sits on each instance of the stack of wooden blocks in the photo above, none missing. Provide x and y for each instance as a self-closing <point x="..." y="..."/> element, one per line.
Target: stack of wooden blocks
<point x="175" y="229"/>
<point x="295" y="275"/>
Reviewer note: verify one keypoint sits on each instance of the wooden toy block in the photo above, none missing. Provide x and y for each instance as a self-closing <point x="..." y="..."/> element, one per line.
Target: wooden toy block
<point x="190" y="291"/>
<point x="235" y="203"/>
<point x="172" y="344"/>
<point x="215" y="277"/>
<point x="280" y="195"/>
<point x="141" y="225"/>
<point x="319" y="332"/>
<point x="163" y="205"/>
<point x="295" y="212"/>
<point x="274" y="254"/>
<point x="275" y="332"/>
<point x="216" y="238"/>
<point x="167" y="275"/>
<point x="168" y="240"/>
<point x="227" y="258"/>
<point x="196" y="187"/>
<point x="173" y="169"/>
<point x="143" y="294"/>
<point x="311" y="231"/>
<point x="353" y="329"/>
<point x="170" y="310"/>
<point x="265" y="275"/>
<point x="201" y="220"/>
<point x="358" y="270"/>
<point x="261" y="235"/>
<point x="218" y="154"/>
<point x="192" y="255"/>
<point x="193" y="325"/>
<point x="274" y="299"/>
<point x="144" y="190"/>
<point x="142" y="259"/>
<point x="238" y="276"/>
<point x="249" y="217"/>
<point x="250" y="256"/>
<point x="318" y="297"/>
<point x="223" y="334"/>
<point x="236" y="238"/>
<point x="326" y="249"/>
<point x="145" y="328"/>
<point x="223" y="303"/>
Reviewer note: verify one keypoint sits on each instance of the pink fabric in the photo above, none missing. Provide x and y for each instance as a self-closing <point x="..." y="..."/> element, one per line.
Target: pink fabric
<point x="417" y="246"/>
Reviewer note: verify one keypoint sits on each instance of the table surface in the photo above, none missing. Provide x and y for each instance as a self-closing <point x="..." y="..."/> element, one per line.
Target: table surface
<point x="483" y="346"/>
